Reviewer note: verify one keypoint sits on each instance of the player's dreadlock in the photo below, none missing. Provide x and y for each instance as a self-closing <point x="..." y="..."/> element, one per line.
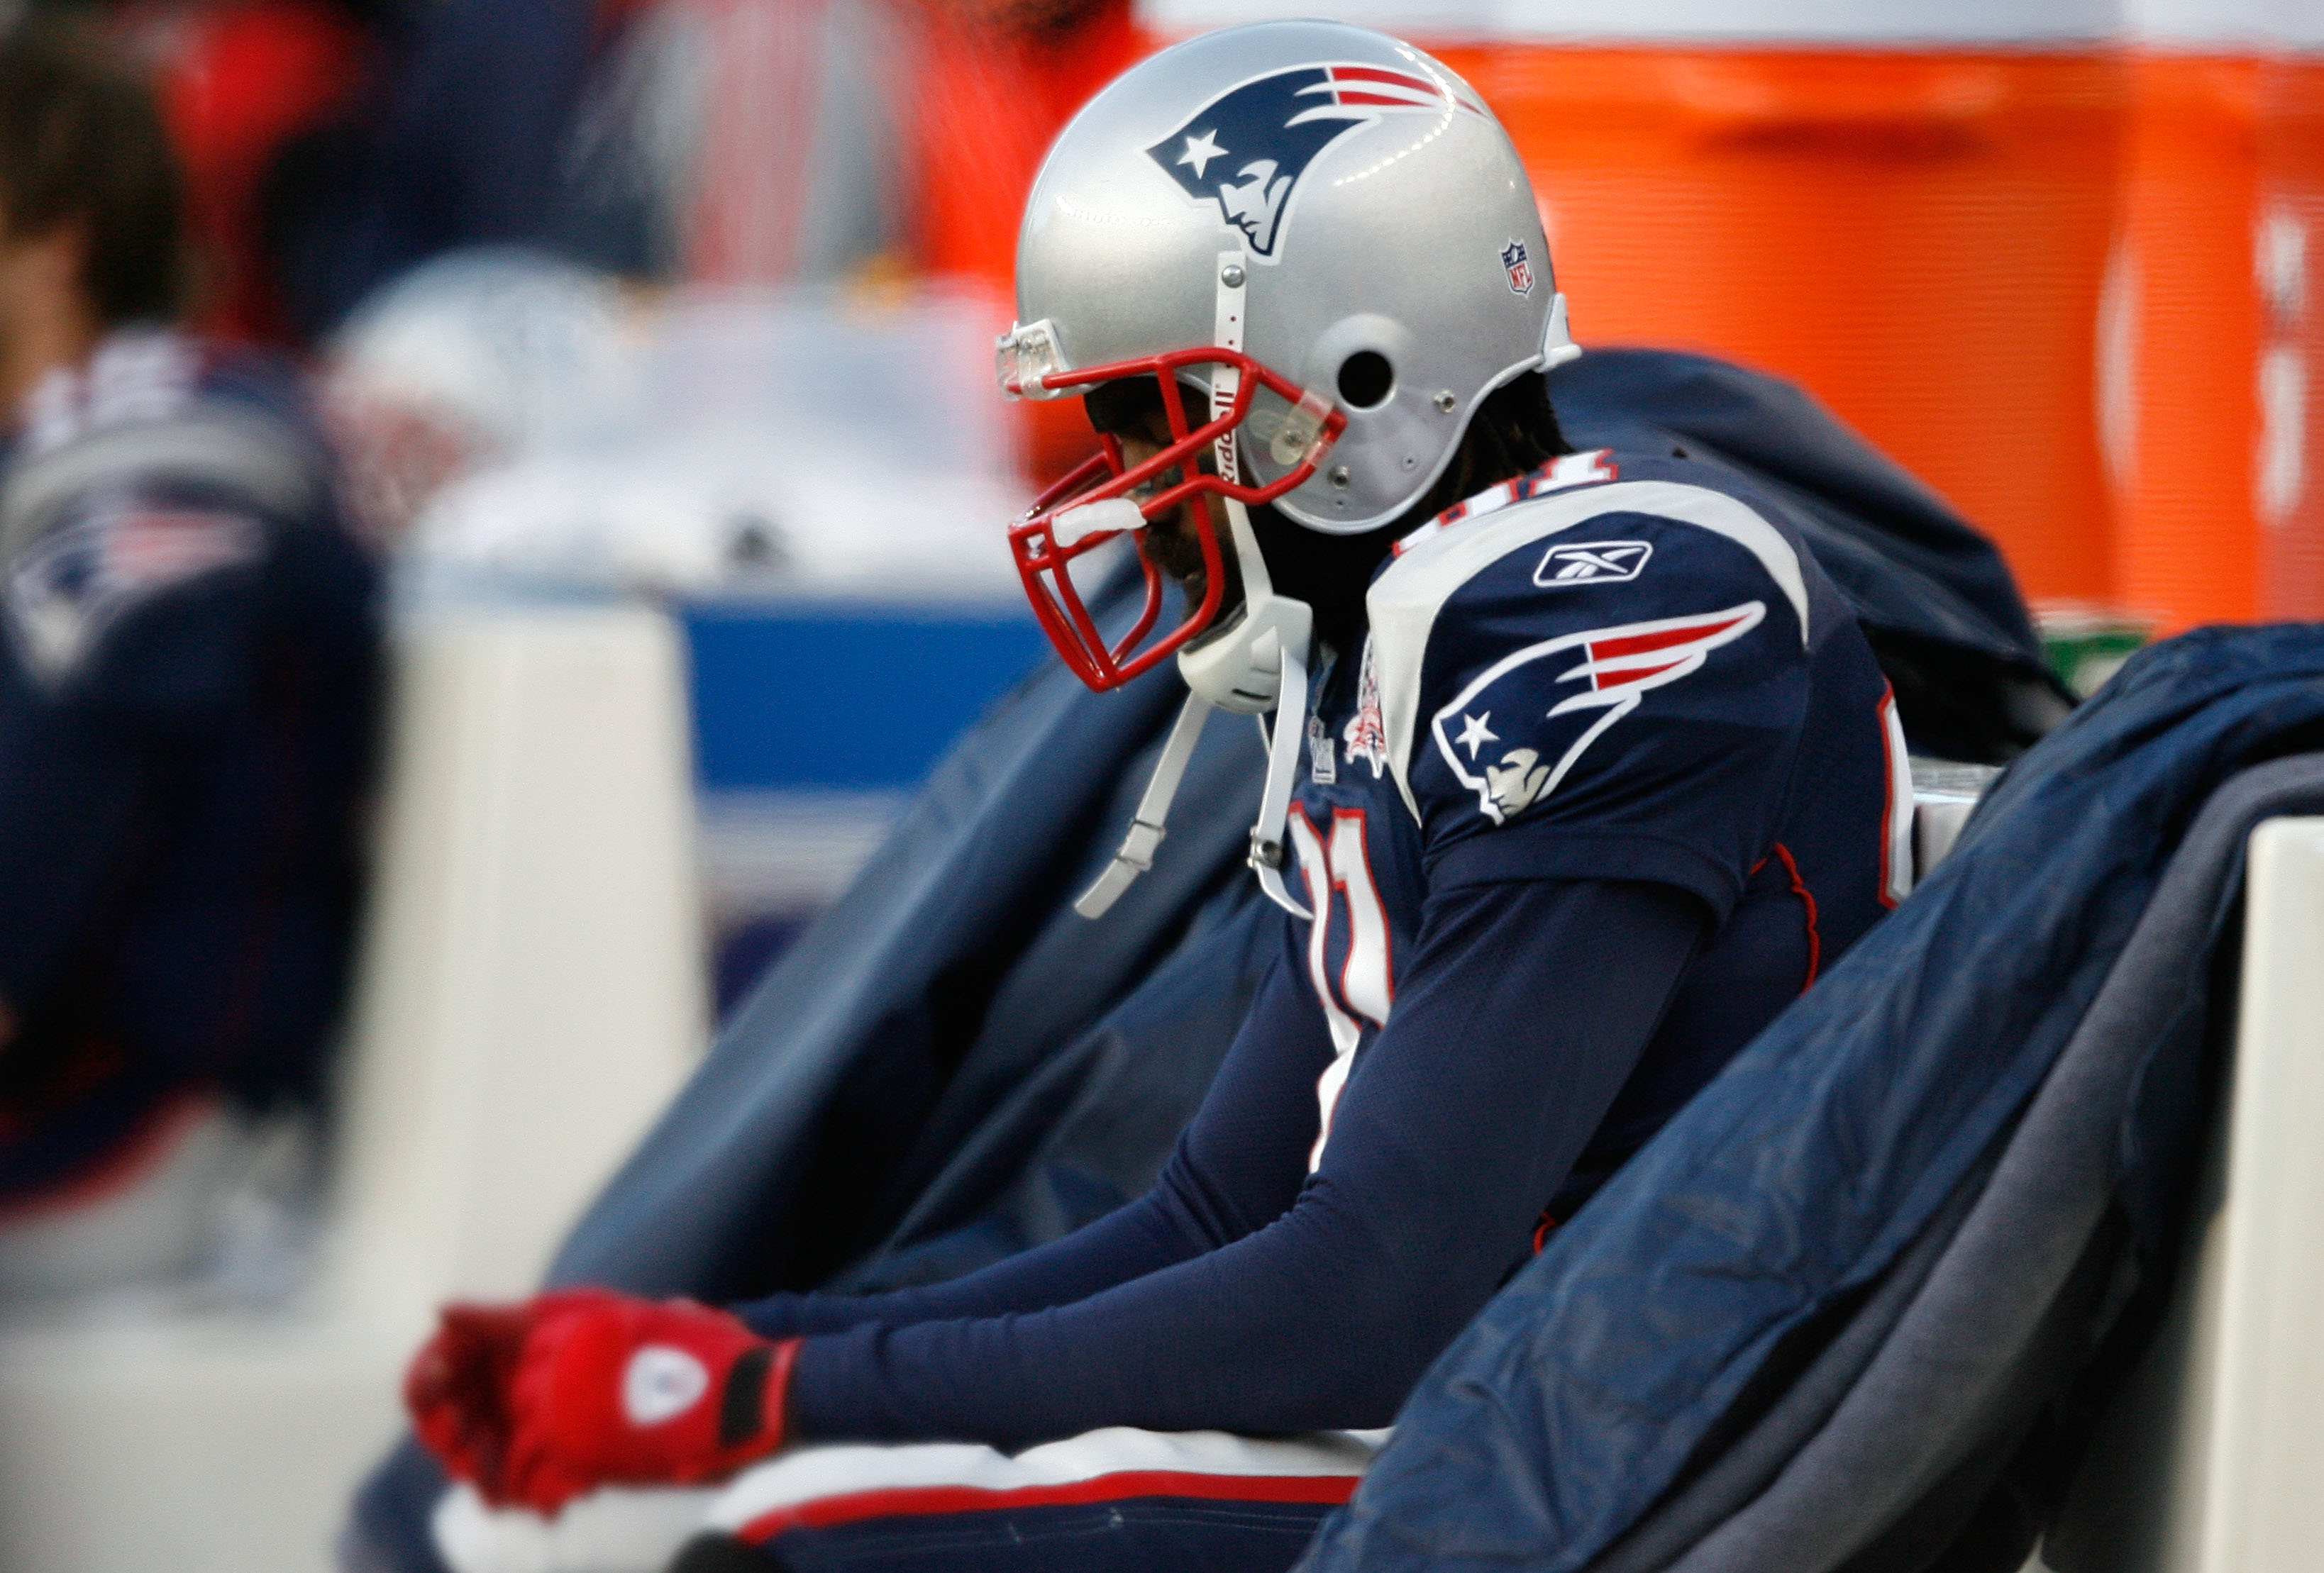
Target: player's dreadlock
<point x="1513" y="431"/>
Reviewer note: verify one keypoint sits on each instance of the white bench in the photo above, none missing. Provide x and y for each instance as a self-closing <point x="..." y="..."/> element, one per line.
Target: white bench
<point x="2208" y="1462"/>
<point x="531" y="992"/>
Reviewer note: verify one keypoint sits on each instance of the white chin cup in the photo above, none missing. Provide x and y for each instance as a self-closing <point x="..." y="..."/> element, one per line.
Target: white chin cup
<point x="1240" y="667"/>
<point x="1075" y="525"/>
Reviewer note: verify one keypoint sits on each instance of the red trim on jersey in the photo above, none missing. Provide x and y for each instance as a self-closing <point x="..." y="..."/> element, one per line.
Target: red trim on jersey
<point x="1807" y="899"/>
<point x="1541" y="1231"/>
<point x="1888" y="795"/>
<point x="1380" y="910"/>
<point x="928" y="1501"/>
<point x="118" y="1166"/>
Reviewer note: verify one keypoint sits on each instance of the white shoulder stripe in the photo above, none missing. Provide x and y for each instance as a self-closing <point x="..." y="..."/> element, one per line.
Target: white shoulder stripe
<point x="1406" y="598"/>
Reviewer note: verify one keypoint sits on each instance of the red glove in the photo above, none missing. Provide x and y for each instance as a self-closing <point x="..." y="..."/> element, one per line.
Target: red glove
<point x="536" y="1405"/>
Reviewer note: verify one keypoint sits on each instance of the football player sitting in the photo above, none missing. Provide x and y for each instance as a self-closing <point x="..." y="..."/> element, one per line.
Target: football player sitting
<point x="187" y="688"/>
<point x="1580" y="770"/>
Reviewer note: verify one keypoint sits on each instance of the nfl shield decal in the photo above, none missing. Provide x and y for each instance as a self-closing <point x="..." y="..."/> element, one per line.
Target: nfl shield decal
<point x="1248" y="147"/>
<point x="1512" y="754"/>
<point x="1518" y="265"/>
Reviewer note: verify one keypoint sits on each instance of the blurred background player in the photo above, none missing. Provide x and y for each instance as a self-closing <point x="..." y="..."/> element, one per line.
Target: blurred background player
<point x="1570" y="707"/>
<point x="188" y="690"/>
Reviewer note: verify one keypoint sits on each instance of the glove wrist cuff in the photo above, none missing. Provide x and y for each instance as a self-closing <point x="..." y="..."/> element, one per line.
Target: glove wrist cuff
<point x="750" y="1410"/>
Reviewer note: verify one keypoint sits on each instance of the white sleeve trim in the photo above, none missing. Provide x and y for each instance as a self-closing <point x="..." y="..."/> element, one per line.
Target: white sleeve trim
<point x="799" y="1476"/>
<point x="1406" y="598"/>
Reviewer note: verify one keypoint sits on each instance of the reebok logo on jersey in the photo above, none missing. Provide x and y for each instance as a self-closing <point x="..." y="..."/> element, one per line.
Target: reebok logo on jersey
<point x="1618" y="666"/>
<point x="662" y="1383"/>
<point x="1592" y="563"/>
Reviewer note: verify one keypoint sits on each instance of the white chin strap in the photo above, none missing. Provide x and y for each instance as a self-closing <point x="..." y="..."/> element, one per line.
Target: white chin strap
<point x="1282" y="764"/>
<point x="1256" y="663"/>
<point x="1147" y="829"/>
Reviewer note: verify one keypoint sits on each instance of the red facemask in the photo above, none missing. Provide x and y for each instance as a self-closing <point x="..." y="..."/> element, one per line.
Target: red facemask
<point x="1056" y="529"/>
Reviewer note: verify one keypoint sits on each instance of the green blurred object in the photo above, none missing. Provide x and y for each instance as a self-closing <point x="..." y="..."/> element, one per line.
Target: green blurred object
<point x="2087" y="645"/>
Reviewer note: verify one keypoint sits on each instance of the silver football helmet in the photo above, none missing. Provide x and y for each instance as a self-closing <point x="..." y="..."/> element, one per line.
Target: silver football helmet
<point x="1325" y="234"/>
<point x="1317" y="226"/>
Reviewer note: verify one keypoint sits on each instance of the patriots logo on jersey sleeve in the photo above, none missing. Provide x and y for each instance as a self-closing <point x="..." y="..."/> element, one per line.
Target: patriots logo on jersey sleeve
<point x="76" y="582"/>
<point x="1516" y="757"/>
<point x="1248" y="146"/>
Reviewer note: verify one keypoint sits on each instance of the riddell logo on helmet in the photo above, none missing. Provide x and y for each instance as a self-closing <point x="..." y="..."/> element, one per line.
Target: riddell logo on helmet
<point x="1248" y="146"/>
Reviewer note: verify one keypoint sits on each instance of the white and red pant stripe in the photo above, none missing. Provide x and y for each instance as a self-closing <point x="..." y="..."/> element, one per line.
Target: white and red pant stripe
<point x="972" y="1507"/>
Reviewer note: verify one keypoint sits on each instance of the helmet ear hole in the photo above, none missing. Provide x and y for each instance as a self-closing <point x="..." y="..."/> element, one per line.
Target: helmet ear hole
<point x="1366" y="380"/>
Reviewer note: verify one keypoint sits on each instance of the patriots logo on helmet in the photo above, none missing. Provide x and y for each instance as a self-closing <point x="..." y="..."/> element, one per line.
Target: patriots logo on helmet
<point x="1248" y="146"/>
<point x="1618" y="667"/>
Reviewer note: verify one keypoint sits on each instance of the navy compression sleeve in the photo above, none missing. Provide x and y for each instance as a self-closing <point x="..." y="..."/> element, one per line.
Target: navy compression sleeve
<point x="1510" y="1037"/>
<point x="1228" y="1177"/>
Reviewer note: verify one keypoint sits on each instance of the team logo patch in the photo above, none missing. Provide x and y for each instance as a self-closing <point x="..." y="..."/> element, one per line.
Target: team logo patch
<point x="1365" y="733"/>
<point x="1322" y="756"/>
<point x="661" y="1383"/>
<point x="1592" y="563"/>
<point x="1616" y="668"/>
<point x="1248" y="146"/>
<point x="78" y="581"/>
<point x="1519" y="266"/>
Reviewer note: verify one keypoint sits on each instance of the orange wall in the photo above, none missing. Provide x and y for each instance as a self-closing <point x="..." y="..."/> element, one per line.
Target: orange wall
<point x="990" y="103"/>
<point x="2292" y="188"/>
<point x="2223" y="184"/>
<point x="2184" y="538"/>
<point x="1917" y="238"/>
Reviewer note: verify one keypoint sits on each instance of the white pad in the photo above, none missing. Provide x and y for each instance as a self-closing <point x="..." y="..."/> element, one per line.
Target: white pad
<point x="830" y="1485"/>
<point x="610" y="1530"/>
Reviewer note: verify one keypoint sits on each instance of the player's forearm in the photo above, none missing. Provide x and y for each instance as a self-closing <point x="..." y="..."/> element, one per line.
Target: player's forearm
<point x="1126" y="1243"/>
<point x="1447" y="1143"/>
<point x="1180" y="1351"/>
<point x="1236" y="1169"/>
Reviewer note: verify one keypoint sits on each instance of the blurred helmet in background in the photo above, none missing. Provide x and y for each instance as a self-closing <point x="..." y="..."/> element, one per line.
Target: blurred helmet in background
<point x="461" y="363"/>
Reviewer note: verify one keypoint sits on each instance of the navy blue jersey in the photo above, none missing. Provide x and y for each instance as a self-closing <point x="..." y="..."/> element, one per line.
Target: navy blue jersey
<point x="188" y="692"/>
<point x="1613" y="775"/>
<point x="1616" y="668"/>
